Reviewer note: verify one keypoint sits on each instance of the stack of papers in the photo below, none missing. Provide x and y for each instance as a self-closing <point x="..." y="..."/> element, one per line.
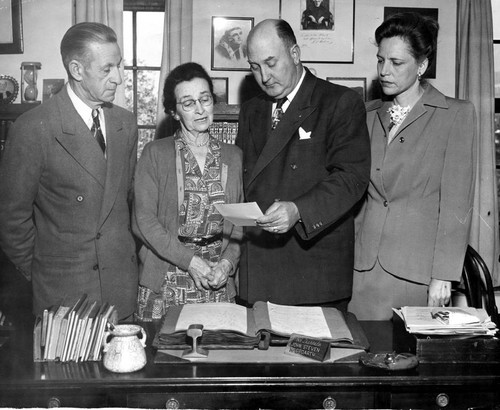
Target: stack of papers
<point x="447" y="321"/>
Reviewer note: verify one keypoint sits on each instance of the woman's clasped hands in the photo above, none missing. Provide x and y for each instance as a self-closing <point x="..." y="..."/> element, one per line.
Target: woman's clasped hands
<point x="209" y="275"/>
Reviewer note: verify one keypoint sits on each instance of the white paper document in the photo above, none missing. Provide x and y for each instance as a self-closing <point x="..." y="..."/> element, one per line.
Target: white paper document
<point x="243" y="214"/>
<point x="446" y="320"/>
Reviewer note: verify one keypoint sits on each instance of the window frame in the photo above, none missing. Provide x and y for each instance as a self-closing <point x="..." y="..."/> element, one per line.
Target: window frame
<point x="136" y="6"/>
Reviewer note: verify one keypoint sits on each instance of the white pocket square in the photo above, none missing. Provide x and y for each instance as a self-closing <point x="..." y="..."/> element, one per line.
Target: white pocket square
<point x="304" y="135"/>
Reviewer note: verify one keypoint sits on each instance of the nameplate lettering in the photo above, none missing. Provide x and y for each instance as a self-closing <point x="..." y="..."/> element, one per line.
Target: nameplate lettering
<point x="309" y="347"/>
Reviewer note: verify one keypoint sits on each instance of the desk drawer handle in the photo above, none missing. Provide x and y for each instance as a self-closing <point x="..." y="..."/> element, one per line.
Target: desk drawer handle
<point x="53" y="402"/>
<point x="442" y="400"/>
<point x="329" y="403"/>
<point x="172" y="404"/>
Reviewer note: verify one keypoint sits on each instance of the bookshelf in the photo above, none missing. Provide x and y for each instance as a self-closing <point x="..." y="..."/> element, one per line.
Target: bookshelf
<point x="225" y="125"/>
<point x="8" y="114"/>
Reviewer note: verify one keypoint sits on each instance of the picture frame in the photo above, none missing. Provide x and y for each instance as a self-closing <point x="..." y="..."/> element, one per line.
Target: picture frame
<point x="228" y="43"/>
<point x="358" y="84"/>
<point x="427" y="12"/>
<point x="11" y="28"/>
<point x="221" y="89"/>
<point x="9" y="88"/>
<point x="327" y="43"/>
<point x="51" y="86"/>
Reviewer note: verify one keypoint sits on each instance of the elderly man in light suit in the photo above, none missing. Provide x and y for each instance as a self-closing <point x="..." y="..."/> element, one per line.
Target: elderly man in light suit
<point x="64" y="196"/>
<point x="306" y="169"/>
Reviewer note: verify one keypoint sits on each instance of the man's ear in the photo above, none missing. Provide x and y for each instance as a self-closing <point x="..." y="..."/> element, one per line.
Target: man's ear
<point x="295" y="53"/>
<point x="76" y="70"/>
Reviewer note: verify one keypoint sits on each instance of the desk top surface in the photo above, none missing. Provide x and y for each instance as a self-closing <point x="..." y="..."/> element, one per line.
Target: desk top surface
<point x="17" y="368"/>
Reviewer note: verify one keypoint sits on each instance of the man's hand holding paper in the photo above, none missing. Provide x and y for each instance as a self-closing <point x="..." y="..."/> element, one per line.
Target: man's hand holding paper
<point x="242" y="214"/>
<point x="280" y="217"/>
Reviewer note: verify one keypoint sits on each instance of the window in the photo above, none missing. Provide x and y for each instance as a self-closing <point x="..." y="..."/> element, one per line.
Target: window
<point x="142" y="51"/>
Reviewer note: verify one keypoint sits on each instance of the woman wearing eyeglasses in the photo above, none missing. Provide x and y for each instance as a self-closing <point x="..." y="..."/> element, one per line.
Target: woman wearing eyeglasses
<point x="189" y="253"/>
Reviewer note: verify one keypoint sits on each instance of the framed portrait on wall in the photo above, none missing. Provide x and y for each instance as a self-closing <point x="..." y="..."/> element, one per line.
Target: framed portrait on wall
<point x="220" y="89"/>
<point x="11" y="27"/>
<point x="51" y="86"/>
<point x="427" y="12"/>
<point x="229" y="43"/>
<point x="358" y="84"/>
<point x="324" y="29"/>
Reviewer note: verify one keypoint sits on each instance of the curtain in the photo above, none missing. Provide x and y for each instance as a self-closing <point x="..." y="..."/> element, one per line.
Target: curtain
<point x="177" y="49"/>
<point x="475" y="76"/>
<point x="109" y="12"/>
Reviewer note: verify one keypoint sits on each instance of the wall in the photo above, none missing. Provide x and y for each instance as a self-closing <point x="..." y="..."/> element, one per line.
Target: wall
<point x="44" y="24"/>
<point x="46" y="21"/>
<point x="368" y="16"/>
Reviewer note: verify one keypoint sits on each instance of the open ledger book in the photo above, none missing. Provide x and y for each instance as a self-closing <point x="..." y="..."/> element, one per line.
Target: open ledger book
<point x="231" y="326"/>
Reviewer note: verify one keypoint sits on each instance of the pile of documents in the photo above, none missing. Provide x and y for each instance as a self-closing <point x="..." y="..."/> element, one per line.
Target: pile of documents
<point x="447" y="321"/>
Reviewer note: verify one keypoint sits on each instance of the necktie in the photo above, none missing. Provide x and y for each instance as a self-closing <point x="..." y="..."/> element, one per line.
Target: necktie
<point x="96" y="129"/>
<point x="278" y="112"/>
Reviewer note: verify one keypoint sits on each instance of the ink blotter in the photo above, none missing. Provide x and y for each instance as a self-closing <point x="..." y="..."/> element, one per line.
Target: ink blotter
<point x="305" y="346"/>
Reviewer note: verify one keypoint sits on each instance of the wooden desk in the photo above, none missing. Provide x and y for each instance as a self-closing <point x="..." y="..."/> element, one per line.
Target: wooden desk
<point x="339" y="385"/>
<point x="250" y="386"/>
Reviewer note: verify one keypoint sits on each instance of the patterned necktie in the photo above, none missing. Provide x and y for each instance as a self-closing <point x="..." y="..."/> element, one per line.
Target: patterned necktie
<point x="96" y="130"/>
<point x="278" y="112"/>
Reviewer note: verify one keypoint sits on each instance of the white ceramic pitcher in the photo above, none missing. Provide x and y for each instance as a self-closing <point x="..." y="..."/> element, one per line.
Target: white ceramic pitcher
<point x="124" y="350"/>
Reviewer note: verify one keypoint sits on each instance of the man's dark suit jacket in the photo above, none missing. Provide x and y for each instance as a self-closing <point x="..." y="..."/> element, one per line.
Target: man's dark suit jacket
<point x="64" y="211"/>
<point x="319" y="158"/>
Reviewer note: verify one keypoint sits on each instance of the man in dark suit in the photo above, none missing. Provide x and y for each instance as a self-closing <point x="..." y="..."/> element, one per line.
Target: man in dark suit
<point x="66" y="176"/>
<point x="306" y="168"/>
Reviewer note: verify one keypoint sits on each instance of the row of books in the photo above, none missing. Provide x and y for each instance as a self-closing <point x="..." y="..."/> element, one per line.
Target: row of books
<point x="224" y="131"/>
<point x="72" y="333"/>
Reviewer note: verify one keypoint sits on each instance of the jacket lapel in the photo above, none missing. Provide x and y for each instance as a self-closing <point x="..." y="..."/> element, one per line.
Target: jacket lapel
<point x="116" y="150"/>
<point x="78" y="141"/>
<point x="299" y="109"/>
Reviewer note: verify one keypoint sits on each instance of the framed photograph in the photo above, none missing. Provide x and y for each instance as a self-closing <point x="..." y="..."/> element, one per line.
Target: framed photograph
<point x="324" y="29"/>
<point x="427" y="12"/>
<point x="9" y="88"/>
<point x="11" y="27"/>
<point x="229" y="43"/>
<point x="220" y="89"/>
<point x="51" y="87"/>
<point x="358" y="84"/>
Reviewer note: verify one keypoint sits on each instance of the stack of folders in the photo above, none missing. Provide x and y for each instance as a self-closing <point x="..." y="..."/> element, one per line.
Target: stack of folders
<point x="72" y="333"/>
<point x="447" y="321"/>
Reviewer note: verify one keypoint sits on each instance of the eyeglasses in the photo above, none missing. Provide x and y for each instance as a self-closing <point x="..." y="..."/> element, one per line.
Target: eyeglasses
<point x="190" y="105"/>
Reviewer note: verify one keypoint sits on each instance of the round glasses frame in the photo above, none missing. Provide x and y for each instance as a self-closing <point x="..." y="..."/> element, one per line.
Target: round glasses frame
<point x="190" y="105"/>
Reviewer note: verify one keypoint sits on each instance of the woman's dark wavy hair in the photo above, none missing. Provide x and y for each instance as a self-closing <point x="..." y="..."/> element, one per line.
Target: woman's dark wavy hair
<point x="419" y="32"/>
<point x="181" y="73"/>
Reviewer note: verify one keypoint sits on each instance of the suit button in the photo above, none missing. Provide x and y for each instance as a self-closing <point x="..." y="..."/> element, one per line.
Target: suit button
<point x="245" y="171"/>
<point x="386" y="204"/>
<point x="401" y="140"/>
<point x="293" y="166"/>
<point x="95" y="267"/>
<point x="98" y="236"/>
<point x="79" y="198"/>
